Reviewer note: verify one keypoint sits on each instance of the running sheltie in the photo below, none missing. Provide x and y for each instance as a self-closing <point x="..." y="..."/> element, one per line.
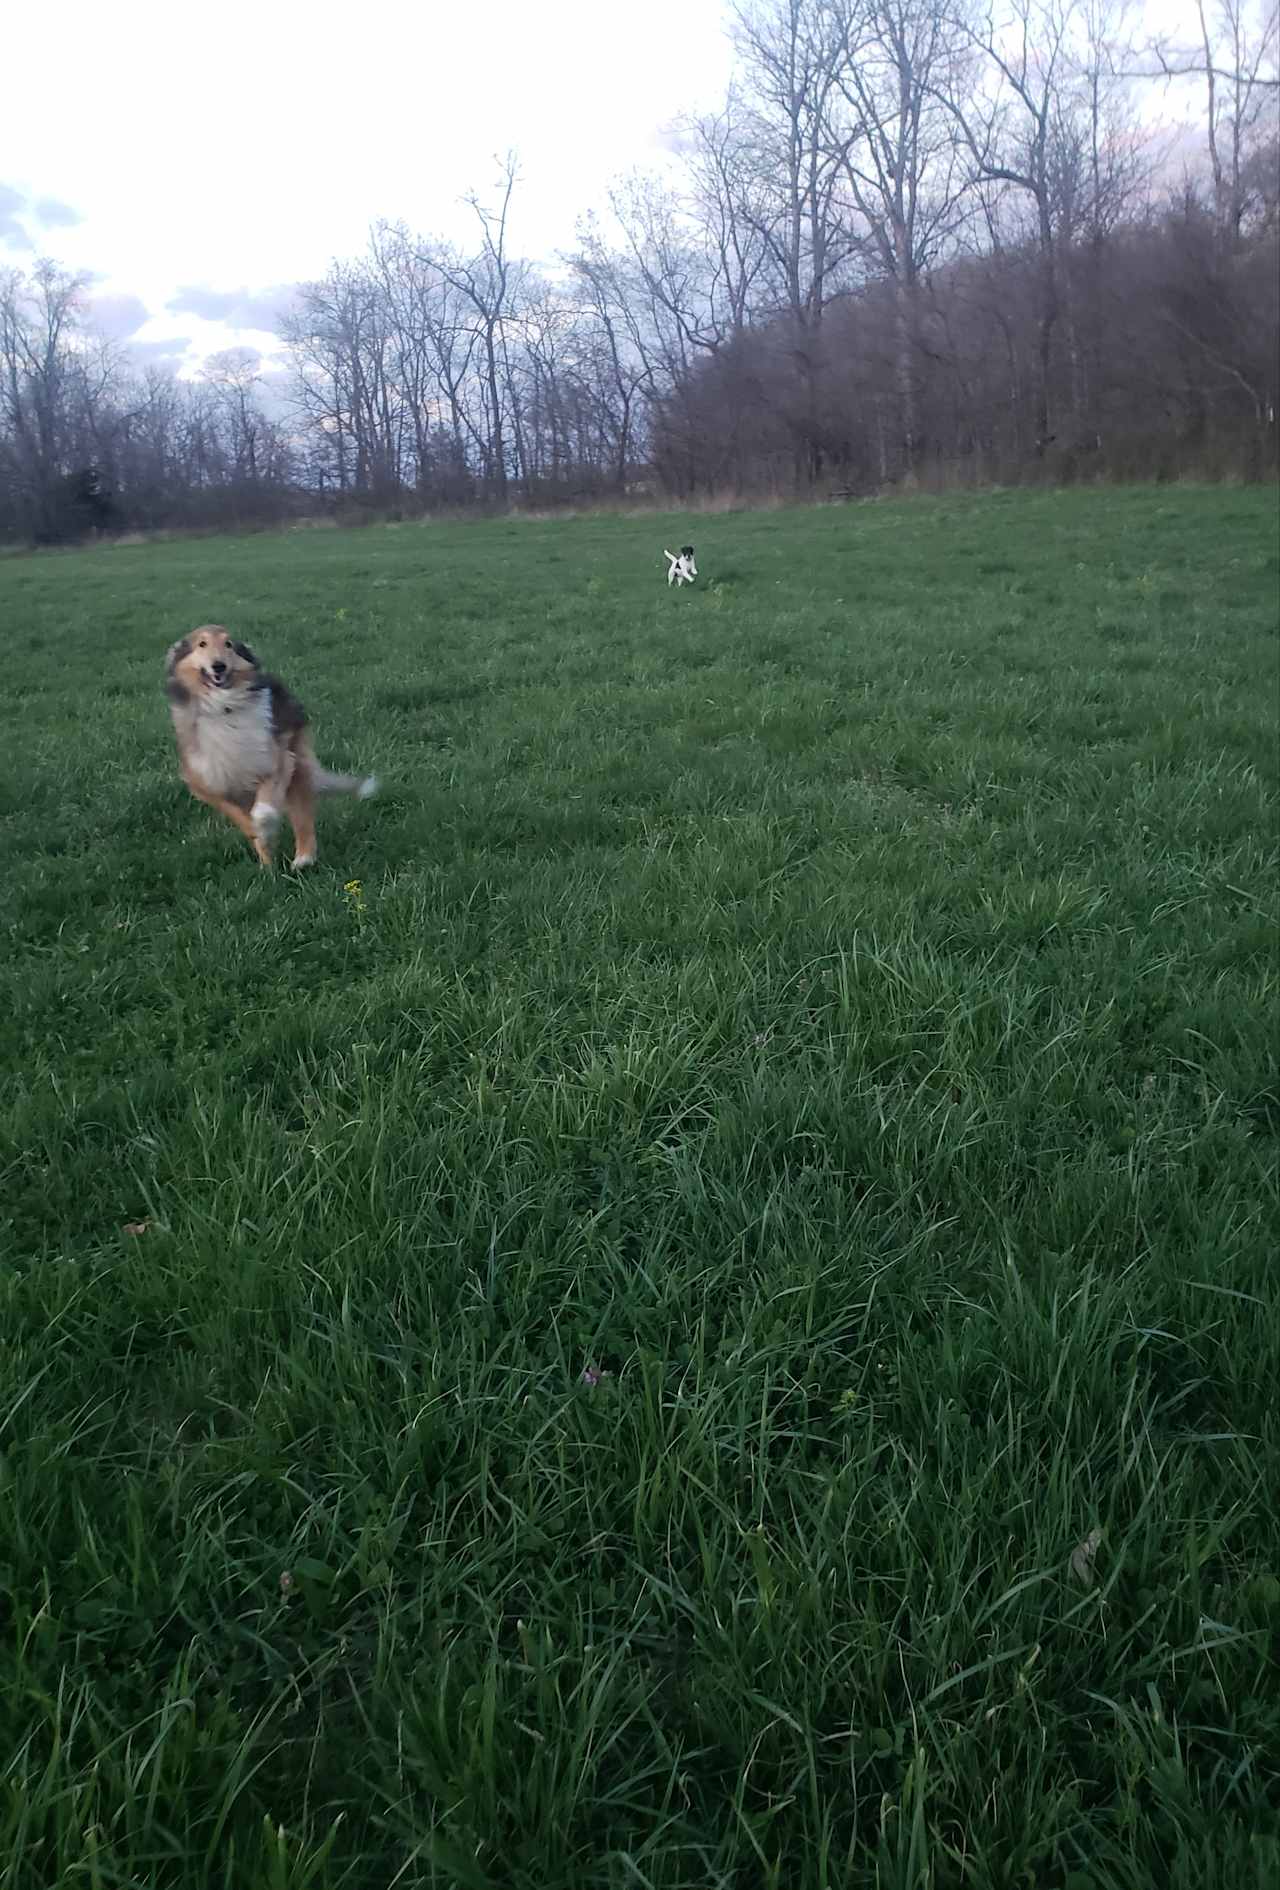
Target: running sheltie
<point x="243" y="743"/>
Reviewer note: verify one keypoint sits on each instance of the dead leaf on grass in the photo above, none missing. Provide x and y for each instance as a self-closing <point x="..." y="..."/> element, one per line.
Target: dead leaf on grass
<point x="136" y="1227"/>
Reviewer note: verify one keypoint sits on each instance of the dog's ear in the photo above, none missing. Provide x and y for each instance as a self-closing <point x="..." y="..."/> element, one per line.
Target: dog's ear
<point x="245" y="654"/>
<point x="175" y="654"/>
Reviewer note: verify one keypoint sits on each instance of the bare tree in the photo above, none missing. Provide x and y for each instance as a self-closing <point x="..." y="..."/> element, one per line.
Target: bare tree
<point x="235" y="376"/>
<point x="489" y="282"/>
<point x="792" y="52"/>
<point x="39" y="317"/>
<point x="900" y="160"/>
<point x="624" y="368"/>
<point x="727" y="201"/>
<point x="1008" y="133"/>
<point x="1236" y="62"/>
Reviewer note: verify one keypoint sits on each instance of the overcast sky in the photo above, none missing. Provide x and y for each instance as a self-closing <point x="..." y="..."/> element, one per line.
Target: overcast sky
<point x="197" y="160"/>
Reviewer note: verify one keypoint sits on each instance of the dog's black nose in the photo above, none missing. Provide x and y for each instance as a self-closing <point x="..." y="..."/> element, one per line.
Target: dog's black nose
<point x="219" y="669"/>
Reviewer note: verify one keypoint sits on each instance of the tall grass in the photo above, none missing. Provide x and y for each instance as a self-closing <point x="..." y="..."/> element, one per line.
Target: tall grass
<point x="697" y="1306"/>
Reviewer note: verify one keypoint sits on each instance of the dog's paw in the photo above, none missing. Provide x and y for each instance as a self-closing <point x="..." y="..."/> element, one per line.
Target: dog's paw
<point x="301" y="861"/>
<point x="266" y="819"/>
<point x="367" y="788"/>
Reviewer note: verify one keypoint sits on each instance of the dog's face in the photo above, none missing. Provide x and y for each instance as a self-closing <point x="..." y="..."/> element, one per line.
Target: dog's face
<point x="686" y="552"/>
<point x="210" y="662"/>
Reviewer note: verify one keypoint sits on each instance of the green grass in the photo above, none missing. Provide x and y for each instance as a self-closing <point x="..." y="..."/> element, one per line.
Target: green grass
<point x="645" y="1296"/>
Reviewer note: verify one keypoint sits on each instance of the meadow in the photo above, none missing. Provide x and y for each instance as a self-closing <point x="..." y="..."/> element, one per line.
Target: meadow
<point x="695" y="1308"/>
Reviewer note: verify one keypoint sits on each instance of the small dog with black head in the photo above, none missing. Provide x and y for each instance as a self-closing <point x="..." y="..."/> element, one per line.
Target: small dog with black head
<point x="243" y="743"/>
<point x="680" y="566"/>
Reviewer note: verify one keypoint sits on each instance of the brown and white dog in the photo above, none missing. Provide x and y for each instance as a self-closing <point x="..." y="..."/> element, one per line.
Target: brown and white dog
<point x="243" y="743"/>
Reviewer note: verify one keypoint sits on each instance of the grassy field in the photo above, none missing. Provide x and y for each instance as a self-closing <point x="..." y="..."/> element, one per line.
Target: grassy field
<point x="696" y="1307"/>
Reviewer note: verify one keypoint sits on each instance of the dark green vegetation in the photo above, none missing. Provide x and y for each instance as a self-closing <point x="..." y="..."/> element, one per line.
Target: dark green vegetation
<point x="644" y="1296"/>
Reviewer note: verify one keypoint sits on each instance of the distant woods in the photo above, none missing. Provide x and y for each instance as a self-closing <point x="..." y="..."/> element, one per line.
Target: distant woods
<point x="921" y="242"/>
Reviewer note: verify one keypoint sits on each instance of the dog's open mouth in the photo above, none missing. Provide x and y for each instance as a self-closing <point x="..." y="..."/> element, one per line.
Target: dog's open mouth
<point x="215" y="682"/>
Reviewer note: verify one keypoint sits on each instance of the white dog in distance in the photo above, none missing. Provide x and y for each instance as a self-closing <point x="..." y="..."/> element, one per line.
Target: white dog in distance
<point x="680" y="566"/>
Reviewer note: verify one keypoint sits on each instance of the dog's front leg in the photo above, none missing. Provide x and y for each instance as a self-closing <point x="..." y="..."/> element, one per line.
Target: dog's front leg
<point x="230" y="810"/>
<point x="268" y="805"/>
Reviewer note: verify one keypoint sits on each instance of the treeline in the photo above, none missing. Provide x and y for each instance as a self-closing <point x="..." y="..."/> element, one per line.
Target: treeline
<point x="920" y="242"/>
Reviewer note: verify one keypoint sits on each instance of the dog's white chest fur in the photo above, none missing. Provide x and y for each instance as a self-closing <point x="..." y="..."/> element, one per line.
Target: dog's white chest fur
<point x="231" y="746"/>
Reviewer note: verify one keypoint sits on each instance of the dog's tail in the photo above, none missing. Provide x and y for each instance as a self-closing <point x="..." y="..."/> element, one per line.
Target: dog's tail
<point x="363" y="786"/>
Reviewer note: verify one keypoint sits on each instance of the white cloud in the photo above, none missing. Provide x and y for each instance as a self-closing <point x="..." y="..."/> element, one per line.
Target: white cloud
<point x="51" y="214"/>
<point x="118" y="316"/>
<point x="23" y="218"/>
<point x="13" y="233"/>
<point x="239" y="308"/>
<point x="248" y="146"/>
<point x="170" y="351"/>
